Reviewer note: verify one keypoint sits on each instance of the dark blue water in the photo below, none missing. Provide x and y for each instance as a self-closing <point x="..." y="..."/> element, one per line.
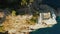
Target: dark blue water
<point x="53" y="30"/>
<point x="52" y="3"/>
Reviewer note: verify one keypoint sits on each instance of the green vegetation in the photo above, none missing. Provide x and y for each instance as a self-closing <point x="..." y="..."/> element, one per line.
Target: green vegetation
<point x="13" y="12"/>
<point x="1" y="29"/>
<point x="33" y="19"/>
<point x="24" y="2"/>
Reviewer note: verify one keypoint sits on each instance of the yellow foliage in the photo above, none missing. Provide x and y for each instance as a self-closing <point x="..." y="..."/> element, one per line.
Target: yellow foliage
<point x="1" y="29"/>
<point x="31" y="1"/>
<point x="24" y="2"/>
<point x="13" y="12"/>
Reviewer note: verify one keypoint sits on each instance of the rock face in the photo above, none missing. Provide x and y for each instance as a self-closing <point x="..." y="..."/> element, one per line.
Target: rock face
<point x="17" y="24"/>
<point x="20" y="24"/>
<point x="47" y="16"/>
